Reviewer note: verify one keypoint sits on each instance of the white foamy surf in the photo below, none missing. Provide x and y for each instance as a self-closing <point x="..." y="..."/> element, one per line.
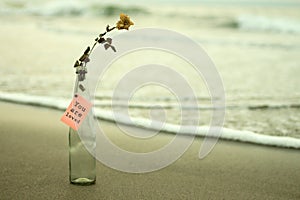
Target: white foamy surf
<point x="252" y="22"/>
<point x="66" y="8"/>
<point x="228" y="134"/>
<point x="268" y="24"/>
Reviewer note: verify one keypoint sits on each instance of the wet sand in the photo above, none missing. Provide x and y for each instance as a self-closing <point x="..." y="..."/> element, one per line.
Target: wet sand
<point x="34" y="165"/>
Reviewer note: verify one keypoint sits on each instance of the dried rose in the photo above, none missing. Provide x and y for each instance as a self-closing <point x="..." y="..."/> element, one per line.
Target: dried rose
<point x="124" y="22"/>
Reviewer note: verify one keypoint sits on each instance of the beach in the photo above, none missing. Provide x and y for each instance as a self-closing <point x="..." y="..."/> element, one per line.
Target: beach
<point x="254" y="47"/>
<point x="34" y="165"/>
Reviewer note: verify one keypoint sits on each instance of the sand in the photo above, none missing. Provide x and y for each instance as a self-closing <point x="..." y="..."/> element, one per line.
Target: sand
<point x="34" y="165"/>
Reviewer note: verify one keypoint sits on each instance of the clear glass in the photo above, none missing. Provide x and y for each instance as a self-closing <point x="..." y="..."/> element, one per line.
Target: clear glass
<point x="82" y="162"/>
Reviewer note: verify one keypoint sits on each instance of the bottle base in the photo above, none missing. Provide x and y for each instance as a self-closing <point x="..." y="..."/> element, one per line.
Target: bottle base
<point x="83" y="181"/>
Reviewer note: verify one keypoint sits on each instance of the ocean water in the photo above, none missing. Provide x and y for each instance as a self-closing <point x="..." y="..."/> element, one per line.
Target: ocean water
<point x="254" y="45"/>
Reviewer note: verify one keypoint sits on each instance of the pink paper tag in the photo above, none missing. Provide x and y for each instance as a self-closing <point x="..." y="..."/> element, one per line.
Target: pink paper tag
<point x="76" y="112"/>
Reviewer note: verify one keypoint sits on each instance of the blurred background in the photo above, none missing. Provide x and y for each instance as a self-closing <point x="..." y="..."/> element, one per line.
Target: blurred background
<point x="255" y="46"/>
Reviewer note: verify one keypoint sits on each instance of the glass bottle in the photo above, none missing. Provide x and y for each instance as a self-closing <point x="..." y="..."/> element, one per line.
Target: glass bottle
<point x="82" y="143"/>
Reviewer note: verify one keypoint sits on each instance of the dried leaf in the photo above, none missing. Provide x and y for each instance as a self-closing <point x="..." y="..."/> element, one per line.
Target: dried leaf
<point x="77" y="64"/>
<point x="87" y="50"/>
<point x="81" y="87"/>
<point x="113" y="48"/>
<point x="83" y="57"/>
<point x="109" y="40"/>
<point x="106" y="46"/>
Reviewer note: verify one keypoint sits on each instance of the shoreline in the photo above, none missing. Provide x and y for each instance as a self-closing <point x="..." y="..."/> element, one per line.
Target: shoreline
<point x="34" y="165"/>
<point x="241" y="136"/>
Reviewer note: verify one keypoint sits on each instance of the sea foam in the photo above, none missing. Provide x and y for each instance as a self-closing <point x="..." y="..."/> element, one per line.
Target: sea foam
<point x="269" y="24"/>
<point x="69" y="8"/>
<point x="226" y="133"/>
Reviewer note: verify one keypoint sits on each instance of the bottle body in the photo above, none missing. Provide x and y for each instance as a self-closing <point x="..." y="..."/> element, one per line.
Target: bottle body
<point x="82" y="144"/>
<point x="82" y="164"/>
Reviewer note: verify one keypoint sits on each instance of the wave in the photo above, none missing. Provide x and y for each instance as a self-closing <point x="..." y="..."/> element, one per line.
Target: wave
<point x="42" y="101"/>
<point x="70" y="8"/>
<point x="268" y="24"/>
<point x="228" y="134"/>
<point x="171" y="105"/>
<point x="248" y="43"/>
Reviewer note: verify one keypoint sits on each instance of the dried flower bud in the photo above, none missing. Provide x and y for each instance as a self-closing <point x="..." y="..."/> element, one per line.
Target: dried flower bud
<point x="86" y="60"/>
<point x="124" y="22"/>
<point x="101" y="40"/>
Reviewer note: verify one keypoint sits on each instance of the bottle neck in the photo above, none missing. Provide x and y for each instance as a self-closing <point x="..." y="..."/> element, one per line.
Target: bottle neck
<point x="81" y="86"/>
